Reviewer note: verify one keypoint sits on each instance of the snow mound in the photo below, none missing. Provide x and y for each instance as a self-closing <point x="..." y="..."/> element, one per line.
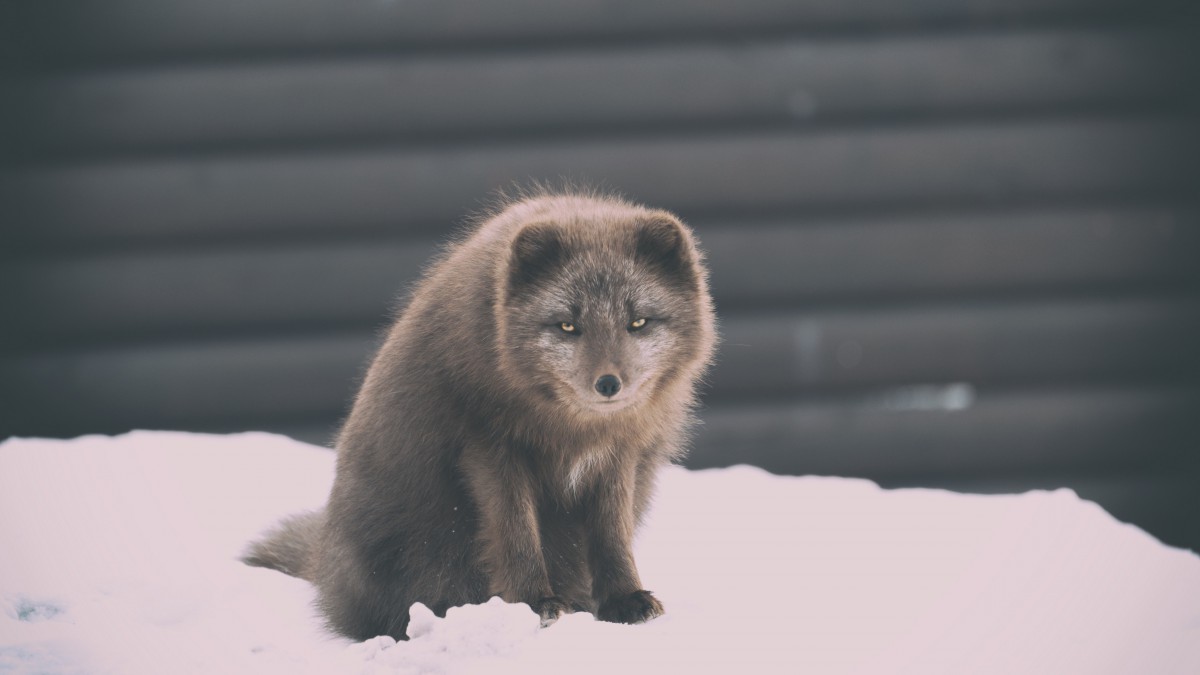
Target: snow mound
<point x="119" y="555"/>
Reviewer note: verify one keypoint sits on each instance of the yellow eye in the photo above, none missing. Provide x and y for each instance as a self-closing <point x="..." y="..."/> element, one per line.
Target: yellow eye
<point x="637" y="324"/>
<point x="567" y="327"/>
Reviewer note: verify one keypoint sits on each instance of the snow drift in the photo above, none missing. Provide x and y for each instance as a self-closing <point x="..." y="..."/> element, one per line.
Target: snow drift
<point x="119" y="555"/>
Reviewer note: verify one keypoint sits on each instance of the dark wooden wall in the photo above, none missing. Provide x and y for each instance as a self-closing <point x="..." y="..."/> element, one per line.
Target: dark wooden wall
<point x="954" y="242"/>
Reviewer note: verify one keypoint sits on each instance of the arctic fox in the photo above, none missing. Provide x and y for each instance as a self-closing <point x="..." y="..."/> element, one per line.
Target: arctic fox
<point x="506" y="436"/>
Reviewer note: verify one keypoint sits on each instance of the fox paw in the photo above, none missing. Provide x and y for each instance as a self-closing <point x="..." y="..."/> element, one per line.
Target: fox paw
<point x="636" y="607"/>
<point x="549" y="609"/>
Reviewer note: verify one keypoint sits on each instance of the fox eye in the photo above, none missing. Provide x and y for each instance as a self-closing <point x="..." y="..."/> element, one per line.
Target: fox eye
<point x="637" y="324"/>
<point x="567" y="327"/>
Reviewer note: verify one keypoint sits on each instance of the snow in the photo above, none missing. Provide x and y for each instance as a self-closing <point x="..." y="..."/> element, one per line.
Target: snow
<point x="119" y="555"/>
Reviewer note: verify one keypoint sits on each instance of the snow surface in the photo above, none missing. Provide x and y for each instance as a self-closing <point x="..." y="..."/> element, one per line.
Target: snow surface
<point x="118" y="555"/>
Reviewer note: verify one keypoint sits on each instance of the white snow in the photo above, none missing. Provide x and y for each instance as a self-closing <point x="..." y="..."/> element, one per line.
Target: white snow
<point x="118" y="555"/>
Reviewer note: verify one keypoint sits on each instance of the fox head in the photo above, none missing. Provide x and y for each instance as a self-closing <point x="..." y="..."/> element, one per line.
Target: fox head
<point x="605" y="305"/>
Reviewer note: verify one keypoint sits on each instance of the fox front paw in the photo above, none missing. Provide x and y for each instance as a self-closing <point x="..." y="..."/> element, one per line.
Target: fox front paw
<point x="549" y="609"/>
<point x="636" y="607"/>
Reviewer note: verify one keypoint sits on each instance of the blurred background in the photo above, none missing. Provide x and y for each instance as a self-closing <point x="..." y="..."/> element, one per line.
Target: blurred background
<point x="953" y="242"/>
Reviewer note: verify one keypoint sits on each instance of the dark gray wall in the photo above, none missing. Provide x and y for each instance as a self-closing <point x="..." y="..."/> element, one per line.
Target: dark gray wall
<point x="954" y="243"/>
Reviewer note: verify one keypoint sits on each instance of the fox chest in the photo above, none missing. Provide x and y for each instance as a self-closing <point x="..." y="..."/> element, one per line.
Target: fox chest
<point x="583" y="470"/>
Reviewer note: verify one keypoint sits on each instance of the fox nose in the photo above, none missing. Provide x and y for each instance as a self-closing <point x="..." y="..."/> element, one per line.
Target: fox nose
<point x="608" y="385"/>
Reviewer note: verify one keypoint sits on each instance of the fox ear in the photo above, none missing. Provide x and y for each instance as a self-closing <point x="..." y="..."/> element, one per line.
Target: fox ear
<point x="662" y="243"/>
<point x="537" y="250"/>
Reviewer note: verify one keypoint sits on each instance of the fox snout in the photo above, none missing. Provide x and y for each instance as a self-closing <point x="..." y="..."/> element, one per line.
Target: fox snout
<point x="608" y="385"/>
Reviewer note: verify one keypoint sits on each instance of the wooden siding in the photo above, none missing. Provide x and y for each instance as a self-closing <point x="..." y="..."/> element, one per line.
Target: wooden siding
<point x="953" y="243"/>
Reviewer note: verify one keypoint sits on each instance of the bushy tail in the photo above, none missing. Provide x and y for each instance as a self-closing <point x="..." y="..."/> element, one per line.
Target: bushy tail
<point x="289" y="547"/>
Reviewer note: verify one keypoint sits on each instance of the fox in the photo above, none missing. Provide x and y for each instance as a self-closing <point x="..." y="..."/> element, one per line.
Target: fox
<point x="506" y="436"/>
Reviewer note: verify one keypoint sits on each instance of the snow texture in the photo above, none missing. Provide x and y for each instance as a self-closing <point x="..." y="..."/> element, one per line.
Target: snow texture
<point x="119" y="555"/>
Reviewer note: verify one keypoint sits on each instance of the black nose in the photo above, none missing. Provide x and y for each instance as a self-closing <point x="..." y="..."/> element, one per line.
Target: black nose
<point x="608" y="385"/>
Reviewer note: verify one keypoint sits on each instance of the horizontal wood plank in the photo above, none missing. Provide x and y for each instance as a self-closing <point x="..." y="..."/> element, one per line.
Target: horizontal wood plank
<point x="179" y="386"/>
<point x="205" y="293"/>
<point x="129" y="30"/>
<point x="399" y="191"/>
<point x="185" y="294"/>
<point x="823" y="261"/>
<point x="240" y="105"/>
<point x="1019" y="346"/>
<point x="902" y="434"/>
<point x="991" y="435"/>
